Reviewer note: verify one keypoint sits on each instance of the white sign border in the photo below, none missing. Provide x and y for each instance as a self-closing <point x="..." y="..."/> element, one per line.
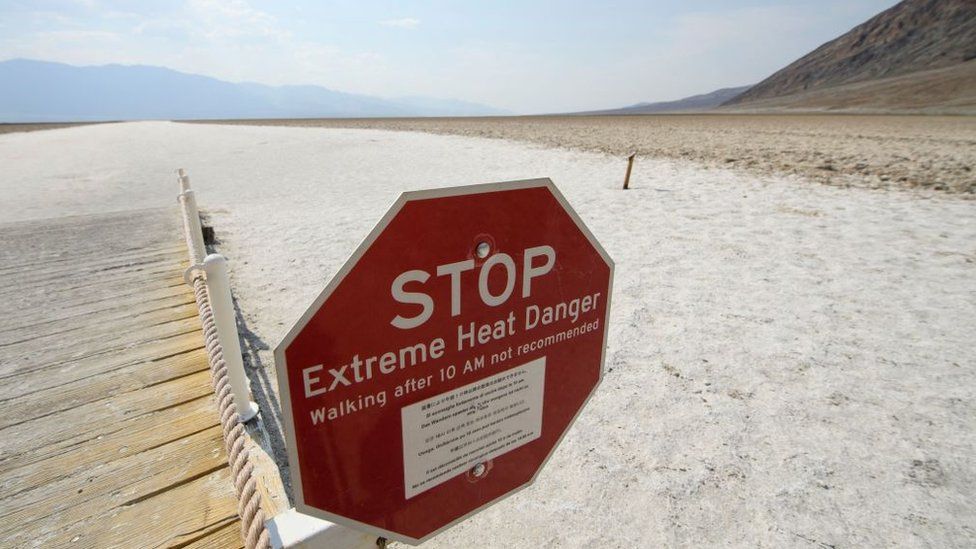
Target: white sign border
<point x="281" y="367"/>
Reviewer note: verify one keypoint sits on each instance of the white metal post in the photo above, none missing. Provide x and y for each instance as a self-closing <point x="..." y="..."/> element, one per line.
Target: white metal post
<point x="218" y="287"/>
<point x="193" y="229"/>
<point x="184" y="180"/>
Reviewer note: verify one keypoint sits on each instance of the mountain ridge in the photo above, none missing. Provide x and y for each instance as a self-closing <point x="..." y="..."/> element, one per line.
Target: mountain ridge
<point x="913" y="36"/>
<point x="692" y="103"/>
<point x="45" y="91"/>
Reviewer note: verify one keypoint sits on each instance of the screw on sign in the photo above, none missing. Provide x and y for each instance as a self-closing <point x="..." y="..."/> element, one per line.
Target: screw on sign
<point x="441" y="366"/>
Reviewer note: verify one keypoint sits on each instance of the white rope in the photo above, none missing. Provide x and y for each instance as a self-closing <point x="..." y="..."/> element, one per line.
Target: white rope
<point x="236" y="438"/>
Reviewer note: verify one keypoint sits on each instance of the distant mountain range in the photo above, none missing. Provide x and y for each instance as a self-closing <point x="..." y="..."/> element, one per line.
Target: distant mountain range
<point x="688" y="104"/>
<point x="40" y="91"/>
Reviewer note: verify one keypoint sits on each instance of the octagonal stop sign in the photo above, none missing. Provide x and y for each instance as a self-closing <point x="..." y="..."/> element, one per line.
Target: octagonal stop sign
<point x="441" y="366"/>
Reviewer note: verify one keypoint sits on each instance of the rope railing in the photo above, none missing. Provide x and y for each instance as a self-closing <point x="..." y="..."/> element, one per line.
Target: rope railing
<point x="230" y="388"/>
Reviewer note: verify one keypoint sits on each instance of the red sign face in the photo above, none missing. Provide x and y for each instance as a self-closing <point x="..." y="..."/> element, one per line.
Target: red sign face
<point x="442" y="365"/>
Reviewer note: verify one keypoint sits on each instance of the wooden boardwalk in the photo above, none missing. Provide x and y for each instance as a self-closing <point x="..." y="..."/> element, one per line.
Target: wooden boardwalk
<point x="108" y="432"/>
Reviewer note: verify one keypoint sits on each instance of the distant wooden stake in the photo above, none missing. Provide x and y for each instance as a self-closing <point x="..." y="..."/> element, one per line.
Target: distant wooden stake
<point x="630" y="165"/>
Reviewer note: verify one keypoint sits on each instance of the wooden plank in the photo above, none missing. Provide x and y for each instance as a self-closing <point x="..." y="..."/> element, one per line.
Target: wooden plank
<point x="170" y="519"/>
<point x="73" y="262"/>
<point x="84" y="331"/>
<point x="84" y="348"/>
<point x="81" y="277"/>
<point x="222" y="535"/>
<point x="121" y="481"/>
<point x="29" y="297"/>
<point x="87" y="418"/>
<point x="73" y="238"/>
<point x="66" y="239"/>
<point x="55" y="376"/>
<point x="105" y="444"/>
<point x="94" y="389"/>
<point x="55" y="291"/>
<point x="69" y="309"/>
<point x="71" y="223"/>
<point x="274" y="498"/>
<point x="89" y="330"/>
<point x="96" y="318"/>
<point x="126" y="483"/>
<point x="36" y="309"/>
<point x="114" y="270"/>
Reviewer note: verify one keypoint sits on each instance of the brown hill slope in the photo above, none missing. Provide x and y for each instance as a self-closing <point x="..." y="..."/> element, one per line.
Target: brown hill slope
<point x="949" y="90"/>
<point x="913" y="36"/>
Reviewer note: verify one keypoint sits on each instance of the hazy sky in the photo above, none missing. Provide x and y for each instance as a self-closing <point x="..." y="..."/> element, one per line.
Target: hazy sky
<point x="524" y="56"/>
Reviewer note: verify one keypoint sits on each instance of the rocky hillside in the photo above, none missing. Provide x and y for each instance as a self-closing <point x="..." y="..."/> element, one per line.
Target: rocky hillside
<point x="913" y="36"/>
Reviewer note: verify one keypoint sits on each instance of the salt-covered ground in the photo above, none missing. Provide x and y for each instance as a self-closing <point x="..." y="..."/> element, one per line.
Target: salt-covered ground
<point x="789" y="364"/>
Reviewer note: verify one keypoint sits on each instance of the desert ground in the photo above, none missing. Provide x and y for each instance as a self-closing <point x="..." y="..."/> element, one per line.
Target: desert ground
<point x="790" y="364"/>
<point x="874" y="151"/>
<point x="33" y="127"/>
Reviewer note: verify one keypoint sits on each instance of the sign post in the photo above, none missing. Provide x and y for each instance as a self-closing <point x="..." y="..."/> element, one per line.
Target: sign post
<point x="441" y="366"/>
